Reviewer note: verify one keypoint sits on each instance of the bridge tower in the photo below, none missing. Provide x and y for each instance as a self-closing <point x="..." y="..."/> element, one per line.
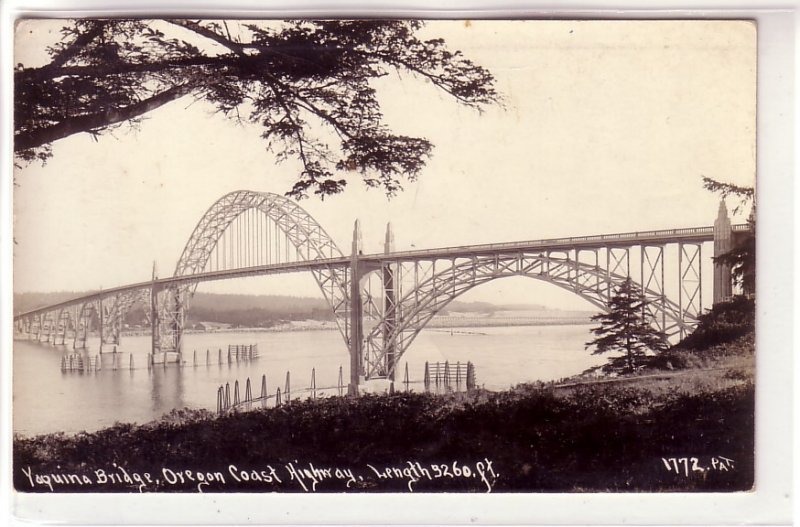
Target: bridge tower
<point x="723" y="234"/>
<point x="356" y="319"/>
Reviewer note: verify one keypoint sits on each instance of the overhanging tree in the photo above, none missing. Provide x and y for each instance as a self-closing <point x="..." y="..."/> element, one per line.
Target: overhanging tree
<point x="626" y="328"/>
<point x="284" y="77"/>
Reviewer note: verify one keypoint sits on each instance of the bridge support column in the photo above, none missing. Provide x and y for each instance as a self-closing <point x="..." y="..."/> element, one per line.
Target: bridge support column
<point x="389" y="305"/>
<point x="102" y="322"/>
<point x="83" y="316"/>
<point x="111" y="328"/>
<point x="51" y="329"/>
<point x="690" y="282"/>
<point x="723" y="232"/>
<point x="653" y="279"/>
<point x="356" y="319"/>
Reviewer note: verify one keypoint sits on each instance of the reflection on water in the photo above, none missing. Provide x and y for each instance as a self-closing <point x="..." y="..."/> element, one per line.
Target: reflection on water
<point x="49" y="400"/>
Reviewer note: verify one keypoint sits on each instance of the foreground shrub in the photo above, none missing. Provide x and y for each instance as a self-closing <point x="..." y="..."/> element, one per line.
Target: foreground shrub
<point x="725" y="322"/>
<point x="603" y="437"/>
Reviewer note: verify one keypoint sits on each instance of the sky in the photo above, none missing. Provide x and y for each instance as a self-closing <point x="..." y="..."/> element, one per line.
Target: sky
<point x="606" y="126"/>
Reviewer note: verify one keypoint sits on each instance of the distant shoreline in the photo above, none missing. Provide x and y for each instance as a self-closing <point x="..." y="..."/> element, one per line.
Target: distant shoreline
<point x="450" y="323"/>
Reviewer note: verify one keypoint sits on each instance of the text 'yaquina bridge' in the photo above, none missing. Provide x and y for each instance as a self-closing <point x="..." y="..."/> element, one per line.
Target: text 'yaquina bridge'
<point x="249" y="233"/>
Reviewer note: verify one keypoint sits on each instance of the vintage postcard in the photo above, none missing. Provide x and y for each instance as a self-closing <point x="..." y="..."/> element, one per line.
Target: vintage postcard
<point x="384" y="256"/>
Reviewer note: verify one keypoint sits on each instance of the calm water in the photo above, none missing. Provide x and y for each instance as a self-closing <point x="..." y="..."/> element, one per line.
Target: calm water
<point x="47" y="400"/>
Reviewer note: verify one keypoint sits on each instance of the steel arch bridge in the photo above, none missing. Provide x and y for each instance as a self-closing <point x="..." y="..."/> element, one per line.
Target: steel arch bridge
<point x="248" y="233"/>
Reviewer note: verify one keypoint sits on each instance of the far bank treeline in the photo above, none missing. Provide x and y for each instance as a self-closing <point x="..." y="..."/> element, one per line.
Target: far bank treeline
<point x="249" y="310"/>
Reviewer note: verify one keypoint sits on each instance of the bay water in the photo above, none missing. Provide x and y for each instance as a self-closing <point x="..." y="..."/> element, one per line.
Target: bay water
<point x="46" y="400"/>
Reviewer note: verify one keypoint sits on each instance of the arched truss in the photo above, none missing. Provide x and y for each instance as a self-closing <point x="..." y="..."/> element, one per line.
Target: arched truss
<point x="415" y="308"/>
<point x="110" y="312"/>
<point x="302" y="235"/>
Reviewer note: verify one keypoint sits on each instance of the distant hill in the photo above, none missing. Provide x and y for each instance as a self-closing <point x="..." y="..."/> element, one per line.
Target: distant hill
<point x="488" y="307"/>
<point x="28" y="301"/>
<point x="264" y="310"/>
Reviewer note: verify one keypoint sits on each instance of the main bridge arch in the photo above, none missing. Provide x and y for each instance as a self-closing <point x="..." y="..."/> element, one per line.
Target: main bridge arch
<point x="404" y="318"/>
<point x="208" y="247"/>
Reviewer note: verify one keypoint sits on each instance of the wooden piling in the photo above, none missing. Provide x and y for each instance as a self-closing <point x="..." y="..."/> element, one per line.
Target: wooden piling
<point x="278" y="401"/>
<point x="406" y="380"/>
<point x="248" y="395"/>
<point x="130" y="367"/>
<point x="427" y="378"/>
<point x="288" y="389"/>
<point x="470" y="376"/>
<point x="313" y="383"/>
<point x="227" y="395"/>
<point x="220" y="356"/>
<point x="264" y="386"/>
<point x="208" y="357"/>
<point x="236" y="393"/>
<point x="341" y="382"/>
<point x="194" y="357"/>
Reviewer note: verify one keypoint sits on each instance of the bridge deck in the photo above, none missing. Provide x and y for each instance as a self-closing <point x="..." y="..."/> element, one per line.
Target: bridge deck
<point x="687" y="235"/>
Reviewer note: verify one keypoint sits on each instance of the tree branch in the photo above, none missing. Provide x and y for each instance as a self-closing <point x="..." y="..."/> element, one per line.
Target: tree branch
<point x="103" y="71"/>
<point x="309" y="106"/>
<point x="42" y="136"/>
<point x="77" y="45"/>
<point x="203" y="31"/>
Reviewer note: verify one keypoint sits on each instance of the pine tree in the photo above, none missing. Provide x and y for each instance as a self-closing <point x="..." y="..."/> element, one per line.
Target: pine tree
<point x="626" y="327"/>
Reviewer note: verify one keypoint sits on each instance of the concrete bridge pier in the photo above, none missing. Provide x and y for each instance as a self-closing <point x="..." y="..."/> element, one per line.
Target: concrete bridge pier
<point x="723" y="242"/>
<point x="356" y="344"/>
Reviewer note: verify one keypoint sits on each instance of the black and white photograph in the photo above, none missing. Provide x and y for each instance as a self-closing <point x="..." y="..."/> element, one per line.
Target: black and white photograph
<point x="381" y="255"/>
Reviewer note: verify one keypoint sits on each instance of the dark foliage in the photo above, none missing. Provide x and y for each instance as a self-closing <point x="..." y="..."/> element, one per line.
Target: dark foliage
<point x="284" y="77"/>
<point x="725" y="322"/>
<point x="596" y="438"/>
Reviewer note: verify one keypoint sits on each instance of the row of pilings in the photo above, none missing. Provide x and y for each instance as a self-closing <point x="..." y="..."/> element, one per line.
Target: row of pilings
<point x="84" y="362"/>
<point x="236" y="353"/>
<point x="227" y="401"/>
<point x="449" y="377"/>
<point x="439" y="377"/>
